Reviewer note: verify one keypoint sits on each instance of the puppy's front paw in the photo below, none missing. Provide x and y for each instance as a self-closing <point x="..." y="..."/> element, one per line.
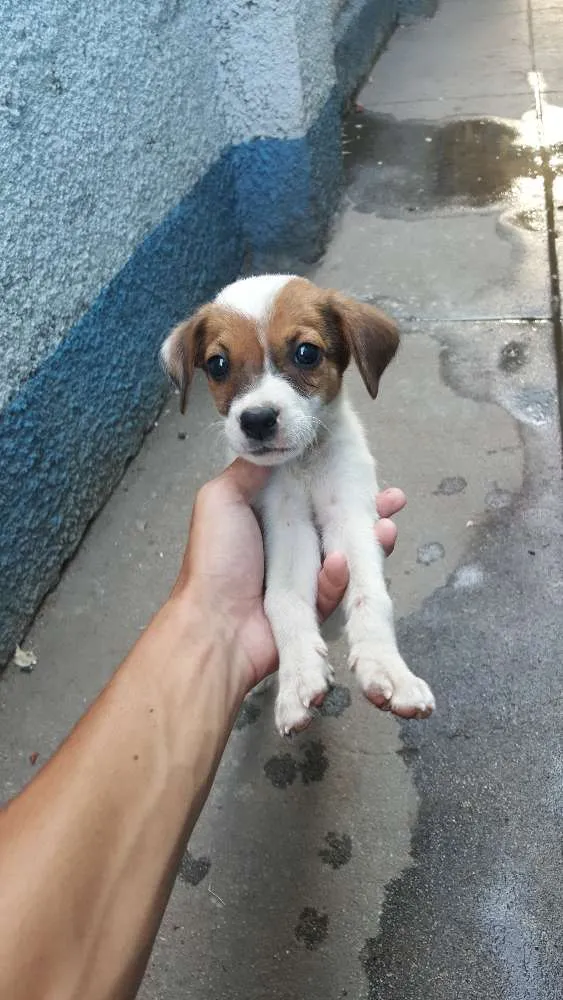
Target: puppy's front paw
<point x="304" y="678"/>
<point x="389" y="684"/>
<point x="412" y="698"/>
<point x="290" y="714"/>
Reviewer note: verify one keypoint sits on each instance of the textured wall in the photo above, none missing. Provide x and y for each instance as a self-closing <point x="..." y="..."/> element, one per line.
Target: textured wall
<point x="360" y="30"/>
<point x="101" y="114"/>
<point x="147" y="149"/>
<point x="66" y="437"/>
<point x="276" y="65"/>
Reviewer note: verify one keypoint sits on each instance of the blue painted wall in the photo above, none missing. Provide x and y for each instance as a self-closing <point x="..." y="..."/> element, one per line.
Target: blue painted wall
<point x="408" y="10"/>
<point x="147" y="150"/>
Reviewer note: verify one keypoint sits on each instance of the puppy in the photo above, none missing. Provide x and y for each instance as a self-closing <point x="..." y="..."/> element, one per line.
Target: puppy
<point x="274" y="349"/>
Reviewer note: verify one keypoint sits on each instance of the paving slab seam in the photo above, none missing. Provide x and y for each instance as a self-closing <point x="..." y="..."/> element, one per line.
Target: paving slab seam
<point x="549" y="176"/>
<point x="445" y="320"/>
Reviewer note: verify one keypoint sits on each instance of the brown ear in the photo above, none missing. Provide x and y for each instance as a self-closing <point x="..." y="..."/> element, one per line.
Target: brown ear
<point x="182" y="351"/>
<point x="369" y="334"/>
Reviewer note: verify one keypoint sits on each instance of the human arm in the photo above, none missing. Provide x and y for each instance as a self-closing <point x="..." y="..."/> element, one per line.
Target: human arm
<point x="89" y="850"/>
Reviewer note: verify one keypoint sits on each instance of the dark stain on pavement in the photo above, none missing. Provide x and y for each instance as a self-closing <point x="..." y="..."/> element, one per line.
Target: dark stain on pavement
<point x="315" y="762"/>
<point x="338" y="850"/>
<point x="283" y="769"/>
<point x="312" y="928"/>
<point x="513" y="356"/>
<point x="337" y="701"/>
<point x="430" y="553"/>
<point x="451" y="485"/>
<point x="249" y="713"/>
<point x="193" y="870"/>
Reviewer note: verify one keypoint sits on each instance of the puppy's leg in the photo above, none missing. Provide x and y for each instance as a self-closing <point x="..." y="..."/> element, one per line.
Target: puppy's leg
<point x="345" y="507"/>
<point x="292" y="566"/>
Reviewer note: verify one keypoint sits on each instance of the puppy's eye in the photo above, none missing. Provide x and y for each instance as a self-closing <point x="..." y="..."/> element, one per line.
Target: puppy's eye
<point x="307" y="355"/>
<point x="217" y="367"/>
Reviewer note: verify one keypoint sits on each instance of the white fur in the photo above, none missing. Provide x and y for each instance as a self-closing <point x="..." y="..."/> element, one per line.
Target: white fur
<point x="253" y="297"/>
<point x="166" y="354"/>
<point x="332" y="486"/>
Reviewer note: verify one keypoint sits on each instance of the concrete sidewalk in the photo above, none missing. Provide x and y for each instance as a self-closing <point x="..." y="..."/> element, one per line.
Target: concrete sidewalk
<point x="369" y="859"/>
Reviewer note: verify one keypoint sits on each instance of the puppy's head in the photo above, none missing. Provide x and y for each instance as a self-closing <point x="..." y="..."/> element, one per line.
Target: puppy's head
<point x="274" y="349"/>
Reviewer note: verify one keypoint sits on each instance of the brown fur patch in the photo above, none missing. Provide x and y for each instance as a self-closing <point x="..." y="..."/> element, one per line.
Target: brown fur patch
<point x="371" y="336"/>
<point x="297" y="318"/>
<point x="215" y="329"/>
<point x="345" y="327"/>
<point x="229" y="332"/>
<point x="182" y="352"/>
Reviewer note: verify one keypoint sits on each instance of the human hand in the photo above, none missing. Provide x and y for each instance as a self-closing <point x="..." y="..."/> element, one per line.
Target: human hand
<point x="223" y="568"/>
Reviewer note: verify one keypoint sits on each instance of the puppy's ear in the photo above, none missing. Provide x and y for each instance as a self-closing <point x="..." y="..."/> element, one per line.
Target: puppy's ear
<point x="368" y="333"/>
<point x="182" y="352"/>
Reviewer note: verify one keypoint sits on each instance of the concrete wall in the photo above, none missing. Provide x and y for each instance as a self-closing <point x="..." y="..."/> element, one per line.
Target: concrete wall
<point x="148" y="152"/>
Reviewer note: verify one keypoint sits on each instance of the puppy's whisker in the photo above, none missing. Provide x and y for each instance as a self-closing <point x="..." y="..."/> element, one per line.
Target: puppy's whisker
<point x="321" y="424"/>
<point x="216" y="427"/>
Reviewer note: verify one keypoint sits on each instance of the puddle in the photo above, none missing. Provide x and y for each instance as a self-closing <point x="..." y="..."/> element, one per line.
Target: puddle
<point x="533" y="405"/>
<point x="401" y="169"/>
<point x="404" y="167"/>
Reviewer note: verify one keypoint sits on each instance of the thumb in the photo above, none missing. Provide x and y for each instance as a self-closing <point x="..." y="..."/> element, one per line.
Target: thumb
<point x="247" y="479"/>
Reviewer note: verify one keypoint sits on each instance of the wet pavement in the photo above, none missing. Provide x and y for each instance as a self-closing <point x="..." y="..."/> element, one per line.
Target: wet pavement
<point x="367" y="858"/>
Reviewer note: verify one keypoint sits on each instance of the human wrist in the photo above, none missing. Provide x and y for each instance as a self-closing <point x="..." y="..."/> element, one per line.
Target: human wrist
<point x="203" y="627"/>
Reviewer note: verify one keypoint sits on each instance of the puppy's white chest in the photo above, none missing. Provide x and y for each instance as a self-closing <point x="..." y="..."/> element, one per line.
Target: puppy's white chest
<point x="289" y="495"/>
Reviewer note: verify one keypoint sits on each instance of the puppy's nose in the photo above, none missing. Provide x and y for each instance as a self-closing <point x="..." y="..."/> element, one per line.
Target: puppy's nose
<point x="259" y="422"/>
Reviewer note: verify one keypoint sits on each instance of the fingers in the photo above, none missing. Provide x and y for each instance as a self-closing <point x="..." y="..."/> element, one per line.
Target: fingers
<point x="386" y="534"/>
<point x="390" y="502"/>
<point x="246" y="478"/>
<point x="334" y="576"/>
<point x="333" y="580"/>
